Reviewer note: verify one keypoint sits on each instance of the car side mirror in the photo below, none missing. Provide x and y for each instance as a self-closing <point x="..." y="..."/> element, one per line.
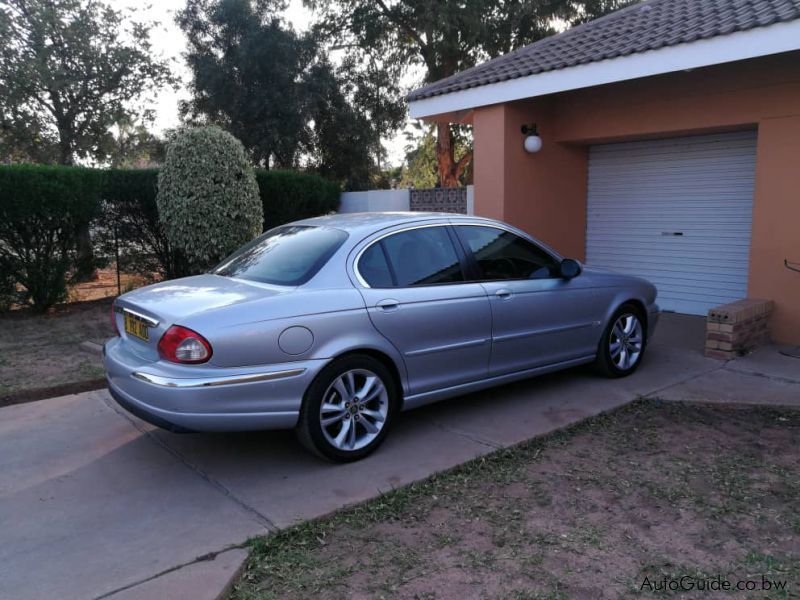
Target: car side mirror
<point x="570" y="268"/>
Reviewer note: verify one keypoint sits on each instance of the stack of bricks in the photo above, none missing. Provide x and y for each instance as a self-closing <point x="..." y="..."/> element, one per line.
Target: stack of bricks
<point x="737" y="328"/>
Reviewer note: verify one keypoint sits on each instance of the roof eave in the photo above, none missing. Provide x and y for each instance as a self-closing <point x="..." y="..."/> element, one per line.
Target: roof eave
<point x="761" y="41"/>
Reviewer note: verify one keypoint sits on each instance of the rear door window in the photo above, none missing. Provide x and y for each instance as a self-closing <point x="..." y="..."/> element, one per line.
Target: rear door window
<point x="424" y="256"/>
<point x="374" y="268"/>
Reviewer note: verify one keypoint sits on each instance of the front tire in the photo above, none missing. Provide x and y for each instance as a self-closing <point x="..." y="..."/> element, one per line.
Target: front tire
<point x="348" y="409"/>
<point x="623" y="343"/>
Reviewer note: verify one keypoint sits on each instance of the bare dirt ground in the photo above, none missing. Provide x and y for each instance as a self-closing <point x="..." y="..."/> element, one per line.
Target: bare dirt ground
<point x="652" y="495"/>
<point x="40" y="351"/>
<point x="105" y="286"/>
<point x="40" y="355"/>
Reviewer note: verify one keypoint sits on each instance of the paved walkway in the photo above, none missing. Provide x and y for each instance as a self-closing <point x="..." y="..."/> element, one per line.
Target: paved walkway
<point x="97" y="504"/>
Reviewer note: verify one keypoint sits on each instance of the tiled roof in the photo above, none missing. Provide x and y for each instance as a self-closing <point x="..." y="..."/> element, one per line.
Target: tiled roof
<point x="649" y="25"/>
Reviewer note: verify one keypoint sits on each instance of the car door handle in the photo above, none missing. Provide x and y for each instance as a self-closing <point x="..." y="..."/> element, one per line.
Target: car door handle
<point x="503" y="294"/>
<point x="388" y="305"/>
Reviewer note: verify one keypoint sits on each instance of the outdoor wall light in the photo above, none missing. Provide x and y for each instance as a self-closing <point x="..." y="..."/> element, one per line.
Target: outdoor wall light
<point x="533" y="143"/>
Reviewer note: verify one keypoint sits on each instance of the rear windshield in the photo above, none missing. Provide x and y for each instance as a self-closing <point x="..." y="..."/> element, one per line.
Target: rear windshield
<point x="288" y="255"/>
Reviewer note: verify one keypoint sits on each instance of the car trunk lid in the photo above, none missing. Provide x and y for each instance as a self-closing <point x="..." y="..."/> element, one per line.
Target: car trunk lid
<point x="142" y="316"/>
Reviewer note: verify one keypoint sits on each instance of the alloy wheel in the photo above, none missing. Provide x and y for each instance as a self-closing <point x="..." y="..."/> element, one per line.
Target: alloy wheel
<point x="354" y="409"/>
<point x="626" y="342"/>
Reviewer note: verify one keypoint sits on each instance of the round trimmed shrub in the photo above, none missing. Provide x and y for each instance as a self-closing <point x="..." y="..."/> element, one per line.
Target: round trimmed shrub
<point x="208" y="200"/>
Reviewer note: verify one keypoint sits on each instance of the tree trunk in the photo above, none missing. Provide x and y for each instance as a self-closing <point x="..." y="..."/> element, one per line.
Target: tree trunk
<point x="65" y="153"/>
<point x="85" y="269"/>
<point x="450" y="169"/>
<point x="445" y="156"/>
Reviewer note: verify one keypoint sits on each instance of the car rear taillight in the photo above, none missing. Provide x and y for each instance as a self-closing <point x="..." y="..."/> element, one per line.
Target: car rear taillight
<point x="182" y="345"/>
<point x="114" y="319"/>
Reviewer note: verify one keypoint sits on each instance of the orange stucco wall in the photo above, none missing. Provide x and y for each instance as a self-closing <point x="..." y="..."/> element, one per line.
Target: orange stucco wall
<point x="545" y="193"/>
<point x="776" y="224"/>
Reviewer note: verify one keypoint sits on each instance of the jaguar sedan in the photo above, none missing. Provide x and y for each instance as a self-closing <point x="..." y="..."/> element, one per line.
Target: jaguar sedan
<point x="332" y="325"/>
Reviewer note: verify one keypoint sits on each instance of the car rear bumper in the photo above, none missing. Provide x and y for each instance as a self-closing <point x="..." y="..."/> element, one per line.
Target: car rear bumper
<point x="197" y="398"/>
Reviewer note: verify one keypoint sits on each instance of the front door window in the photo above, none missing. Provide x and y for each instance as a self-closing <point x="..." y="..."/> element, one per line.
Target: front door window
<point x="501" y="255"/>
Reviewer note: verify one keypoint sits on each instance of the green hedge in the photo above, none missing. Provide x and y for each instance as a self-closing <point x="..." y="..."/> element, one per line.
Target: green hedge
<point x="290" y="196"/>
<point x="131" y="226"/>
<point x="41" y="210"/>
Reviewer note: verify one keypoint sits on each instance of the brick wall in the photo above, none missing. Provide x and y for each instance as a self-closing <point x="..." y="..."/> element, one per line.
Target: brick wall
<point x="737" y="328"/>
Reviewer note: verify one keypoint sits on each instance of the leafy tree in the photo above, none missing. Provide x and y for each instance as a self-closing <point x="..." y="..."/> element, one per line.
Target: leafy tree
<point x="135" y="147"/>
<point x="25" y="142"/>
<point x="444" y="38"/>
<point x="342" y="140"/>
<point x="389" y="178"/>
<point x="246" y="67"/>
<point x="422" y="169"/>
<point x="208" y="199"/>
<point x="69" y="71"/>
<point x="586" y="10"/>
<point x="277" y="91"/>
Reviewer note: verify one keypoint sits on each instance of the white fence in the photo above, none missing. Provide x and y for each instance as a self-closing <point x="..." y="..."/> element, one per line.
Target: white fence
<point x="388" y="200"/>
<point x="374" y="201"/>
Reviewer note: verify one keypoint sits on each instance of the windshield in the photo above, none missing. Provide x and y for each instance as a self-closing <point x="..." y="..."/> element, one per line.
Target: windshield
<point x="288" y="255"/>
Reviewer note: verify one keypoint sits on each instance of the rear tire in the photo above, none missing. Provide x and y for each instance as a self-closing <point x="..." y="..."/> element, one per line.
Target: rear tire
<point x="348" y="409"/>
<point x="623" y="343"/>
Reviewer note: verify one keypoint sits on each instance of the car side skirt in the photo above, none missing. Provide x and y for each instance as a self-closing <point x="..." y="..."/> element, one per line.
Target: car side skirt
<point x="424" y="398"/>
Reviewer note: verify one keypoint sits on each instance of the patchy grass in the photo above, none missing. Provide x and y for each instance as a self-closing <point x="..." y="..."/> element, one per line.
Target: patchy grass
<point x="41" y="351"/>
<point x="650" y="492"/>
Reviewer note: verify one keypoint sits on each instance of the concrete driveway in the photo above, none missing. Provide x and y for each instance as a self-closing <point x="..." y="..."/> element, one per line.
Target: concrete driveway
<point x="95" y="503"/>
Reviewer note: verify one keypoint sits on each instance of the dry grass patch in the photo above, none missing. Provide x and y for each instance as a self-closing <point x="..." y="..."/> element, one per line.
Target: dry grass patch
<point x="41" y="351"/>
<point x="651" y="491"/>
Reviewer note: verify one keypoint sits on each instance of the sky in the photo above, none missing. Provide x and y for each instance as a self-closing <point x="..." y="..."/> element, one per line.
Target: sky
<point x="169" y="42"/>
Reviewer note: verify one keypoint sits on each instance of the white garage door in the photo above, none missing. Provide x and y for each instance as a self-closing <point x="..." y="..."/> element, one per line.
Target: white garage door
<point x="676" y="211"/>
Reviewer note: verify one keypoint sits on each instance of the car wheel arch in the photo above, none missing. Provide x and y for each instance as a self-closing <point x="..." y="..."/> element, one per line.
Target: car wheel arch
<point x="639" y="305"/>
<point x="633" y="301"/>
<point x="385" y="360"/>
<point x="619" y="300"/>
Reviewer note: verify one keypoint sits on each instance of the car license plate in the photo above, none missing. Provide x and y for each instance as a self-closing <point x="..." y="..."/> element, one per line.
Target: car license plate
<point x="136" y="327"/>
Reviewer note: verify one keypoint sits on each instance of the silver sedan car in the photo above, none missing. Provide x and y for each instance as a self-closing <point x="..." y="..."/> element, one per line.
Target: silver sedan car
<point x="332" y="325"/>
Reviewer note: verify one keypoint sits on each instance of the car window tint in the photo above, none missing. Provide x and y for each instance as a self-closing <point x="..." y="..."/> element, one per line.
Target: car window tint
<point x="374" y="269"/>
<point x="289" y="255"/>
<point x="424" y="256"/>
<point x="502" y="255"/>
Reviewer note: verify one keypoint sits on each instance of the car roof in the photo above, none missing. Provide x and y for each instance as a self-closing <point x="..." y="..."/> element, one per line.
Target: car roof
<point x="373" y="221"/>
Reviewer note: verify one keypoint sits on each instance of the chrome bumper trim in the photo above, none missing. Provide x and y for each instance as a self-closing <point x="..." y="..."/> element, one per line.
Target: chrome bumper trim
<point x="215" y="381"/>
